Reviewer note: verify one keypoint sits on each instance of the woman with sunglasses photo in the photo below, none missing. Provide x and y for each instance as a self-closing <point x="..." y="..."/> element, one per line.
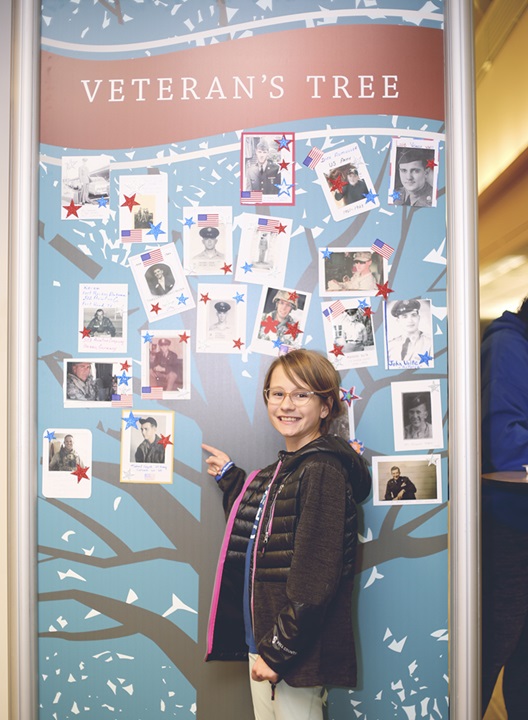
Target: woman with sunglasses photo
<point x="283" y="591"/>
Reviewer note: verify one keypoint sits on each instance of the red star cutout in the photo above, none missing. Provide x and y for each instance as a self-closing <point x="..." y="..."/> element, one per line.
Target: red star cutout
<point x="293" y="330"/>
<point x="184" y="337"/>
<point x="384" y="290"/>
<point x="227" y="268"/>
<point x="165" y="440"/>
<point x="431" y="164"/>
<point x="368" y="312"/>
<point x="81" y="472"/>
<point x="269" y="324"/>
<point x="337" y="350"/>
<point x="155" y="308"/>
<point x="337" y="184"/>
<point x="130" y="202"/>
<point x="85" y="332"/>
<point x="238" y="344"/>
<point x="205" y="298"/>
<point x="283" y="164"/>
<point x="281" y="228"/>
<point x="71" y="209"/>
<point x="293" y="297"/>
<point x="125" y="366"/>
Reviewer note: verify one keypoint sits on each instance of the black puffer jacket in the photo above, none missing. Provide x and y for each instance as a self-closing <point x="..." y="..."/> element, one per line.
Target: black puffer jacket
<point x="303" y="571"/>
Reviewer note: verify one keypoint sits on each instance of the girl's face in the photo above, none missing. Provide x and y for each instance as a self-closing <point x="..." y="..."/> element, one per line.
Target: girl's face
<point x="297" y="425"/>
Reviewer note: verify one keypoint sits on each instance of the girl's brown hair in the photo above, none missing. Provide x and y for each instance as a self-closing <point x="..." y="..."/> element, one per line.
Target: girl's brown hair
<point x="315" y="372"/>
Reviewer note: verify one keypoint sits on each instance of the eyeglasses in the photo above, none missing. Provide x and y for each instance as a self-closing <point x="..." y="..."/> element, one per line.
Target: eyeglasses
<point x="276" y="395"/>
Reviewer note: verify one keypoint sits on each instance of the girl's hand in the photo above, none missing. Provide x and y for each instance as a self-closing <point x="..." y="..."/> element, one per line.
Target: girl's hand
<point x="262" y="671"/>
<point x="216" y="460"/>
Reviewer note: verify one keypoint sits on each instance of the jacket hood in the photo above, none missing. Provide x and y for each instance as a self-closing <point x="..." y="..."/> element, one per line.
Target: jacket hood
<point x="507" y="321"/>
<point x="354" y="464"/>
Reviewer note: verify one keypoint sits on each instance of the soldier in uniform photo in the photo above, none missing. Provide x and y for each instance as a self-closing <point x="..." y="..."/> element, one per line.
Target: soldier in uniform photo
<point x="355" y="189"/>
<point x="150" y="450"/>
<point x="263" y="175"/>
<point x="416" y="414"/>
<point x="221" y="326"/>
<point x="399" y="487"/>
<point x="165" y="367"/>
<point x="411" y="342"/>
<point x="101" y="325"/>
<point x="80" y="384"/>
<point x="285" y="304"/>
<point x="209" y="258"/>
<point x="66" y="459"/>
<point x="361" y="278"/>
<point x="413" y="175"/>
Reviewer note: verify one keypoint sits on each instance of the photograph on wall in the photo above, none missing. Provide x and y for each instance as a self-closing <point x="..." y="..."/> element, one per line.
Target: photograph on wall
<point x="351" y="272"/>
<point x="147" y="446"/>
<point x="263" y="250"/>
<point x="346" y="183"/>
<point x="207" y="240"/>
<point x="161" y="282"/>
<point x="408" y="327"/>
<point x="97" y="382"/>
<point x="414" y="172"/>
<point x="349" y="334"/>
<point x="103" y="317"/>
<point x="221" y="318"/>
<point x="66" y="463"/>
<point x="143" y="208"/>
<point x="417" y="415"/>
<point x="85" y="187"/>
<point x="407" y="479"/>
<point x="166" y="365"/>
<point x="281" y="320"/>
<point x="268" y="166"/>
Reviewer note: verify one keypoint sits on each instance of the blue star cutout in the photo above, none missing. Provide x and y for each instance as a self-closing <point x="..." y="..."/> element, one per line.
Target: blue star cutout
<point x="239" y="297"/>
<point x="247" y="267"/>
<point x="283" y="143"/>
<point x="284" y="188"/>
<point x="189" y="222"/>
<point x="370" y="196"/>
<point x="326" y="254"/>
<point x="147" y="337"/>
<point x="123" y="378"/>
<point x="277" y="342"/>
<point x="102" y="202"/>
<point x="425" y="358"/>
<point x="156" y="230"/>
<point x="396" y="195"/>
<point x="362" y="304"/>
<point x="50" y="435"/>
<point x="131" y="420"/>
<point x="182" y="299"/>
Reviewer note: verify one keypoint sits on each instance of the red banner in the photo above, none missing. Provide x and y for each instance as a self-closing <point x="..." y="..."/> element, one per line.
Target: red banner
<point x="318" y="72"/>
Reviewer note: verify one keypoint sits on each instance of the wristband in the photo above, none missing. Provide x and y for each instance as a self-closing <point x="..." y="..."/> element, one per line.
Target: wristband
<point x="223" y="471"/>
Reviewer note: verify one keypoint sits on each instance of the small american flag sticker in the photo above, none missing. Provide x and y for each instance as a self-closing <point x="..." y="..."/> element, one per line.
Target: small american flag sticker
<point x="382" y="248"/>
<point x="208" y="220"/>
<point x="268" y="224"/>
<point x="334" y="310"/>
<point x="313" y="157"/>
<point x="122" y="400"/>
<point x="251" y="196"/>
<point x="131" y="236"/>
<point x="152" y="257"/>
<point x="151" y="392"/>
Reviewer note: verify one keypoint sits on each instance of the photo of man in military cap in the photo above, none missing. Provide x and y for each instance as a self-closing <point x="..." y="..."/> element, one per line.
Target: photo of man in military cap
<point x="414" y="175"/>
<point x="221" y="326"/>
<point x="274" y="324"/>
<point x="407" y="344"/>
<point x="360" y="276"/>
<point x="262" y="173"/>
<point x="416" y="416"/>
<point x="210" y="258"/>
<point x="166" y="368"/>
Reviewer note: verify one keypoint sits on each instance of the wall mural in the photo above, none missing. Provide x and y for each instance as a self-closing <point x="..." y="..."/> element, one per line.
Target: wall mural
<point x="220" y="184"/>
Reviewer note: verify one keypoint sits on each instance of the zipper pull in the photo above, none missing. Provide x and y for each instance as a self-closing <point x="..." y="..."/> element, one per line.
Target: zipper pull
<point x="273" y="691"/>
<point x="264" y="543"/>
